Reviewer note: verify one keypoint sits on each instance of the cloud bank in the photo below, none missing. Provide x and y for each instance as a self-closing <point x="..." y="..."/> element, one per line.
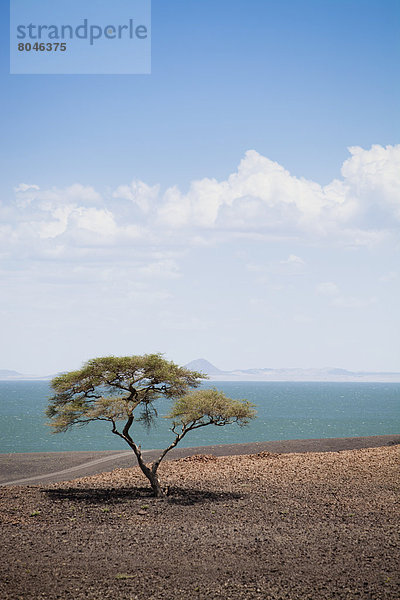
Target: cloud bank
<point x="261" y="199"/>
<point x="258" y="256"/>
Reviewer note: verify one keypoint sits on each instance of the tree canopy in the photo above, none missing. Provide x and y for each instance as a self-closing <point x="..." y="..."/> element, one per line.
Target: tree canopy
<point x="113" y="388"/>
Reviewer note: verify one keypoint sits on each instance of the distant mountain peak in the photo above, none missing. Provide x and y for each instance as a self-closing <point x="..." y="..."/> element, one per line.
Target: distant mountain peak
<point x="203" y="365"/>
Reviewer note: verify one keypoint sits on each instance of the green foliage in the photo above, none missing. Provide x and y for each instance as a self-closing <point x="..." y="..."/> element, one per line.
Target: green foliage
<point x="210" y="407"/>
<point x="111" y="388"/>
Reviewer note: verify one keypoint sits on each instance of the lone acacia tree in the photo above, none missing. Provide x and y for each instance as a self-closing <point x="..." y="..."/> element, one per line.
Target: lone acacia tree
<point x="112" y="388"/>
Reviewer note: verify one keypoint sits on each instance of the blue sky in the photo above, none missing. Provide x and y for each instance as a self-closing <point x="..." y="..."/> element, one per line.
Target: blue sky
<point x="212" y="208"/>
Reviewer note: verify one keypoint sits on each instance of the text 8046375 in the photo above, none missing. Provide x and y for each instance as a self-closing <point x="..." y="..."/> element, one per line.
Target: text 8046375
<point x="42" y="47"/>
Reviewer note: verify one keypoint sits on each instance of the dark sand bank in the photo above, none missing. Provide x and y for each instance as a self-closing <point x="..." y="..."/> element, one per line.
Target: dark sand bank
<point x="51" y="467"/>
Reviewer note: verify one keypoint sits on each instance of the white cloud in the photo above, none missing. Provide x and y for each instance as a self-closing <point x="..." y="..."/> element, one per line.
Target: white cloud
<point x="175" y="211"/>
<point x="25" y="194"/>
<point x="64" y="217"/>
<point x="327" y="288"/>
<point x="374" y="177"/>
<point x="261" y="202"/>
<point x="95" y="220"/>
<point x="164" y="269"/>
<point x="138" y="192"/>
<point x="293" y="260"/>
<point x="262" y="195"/>
<point x="75" y="194"/>
<point x="56" y="227"/>
<point x="24" y="187"/>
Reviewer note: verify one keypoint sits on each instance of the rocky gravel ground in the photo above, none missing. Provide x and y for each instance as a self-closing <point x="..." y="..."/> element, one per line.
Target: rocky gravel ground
<point x="266" y="526"/>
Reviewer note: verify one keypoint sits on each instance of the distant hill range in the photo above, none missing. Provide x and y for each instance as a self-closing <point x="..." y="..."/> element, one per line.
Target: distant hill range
<point x="327" y="374"/>
<point x="215" y="374"/>
<point x="7" y="375"/>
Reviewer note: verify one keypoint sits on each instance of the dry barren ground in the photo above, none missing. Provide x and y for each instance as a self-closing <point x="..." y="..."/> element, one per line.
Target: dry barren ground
<point x="318" y="526"/>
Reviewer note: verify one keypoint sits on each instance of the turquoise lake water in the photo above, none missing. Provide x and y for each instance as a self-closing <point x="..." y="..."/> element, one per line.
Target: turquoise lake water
<point x="285" y="411"/>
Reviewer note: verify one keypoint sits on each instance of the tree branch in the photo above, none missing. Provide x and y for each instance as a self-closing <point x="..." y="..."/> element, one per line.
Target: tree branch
<point x="176" y="441"/>
<point x="125" y="436"/>
<point x="179" y="436"/>
<point x="128" y="426"/>
<point x="114" y="383"/>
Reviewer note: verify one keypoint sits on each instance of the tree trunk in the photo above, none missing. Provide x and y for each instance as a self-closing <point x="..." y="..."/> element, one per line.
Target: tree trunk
<point x="151" y="475"/>
<point x="155" y="484"/>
